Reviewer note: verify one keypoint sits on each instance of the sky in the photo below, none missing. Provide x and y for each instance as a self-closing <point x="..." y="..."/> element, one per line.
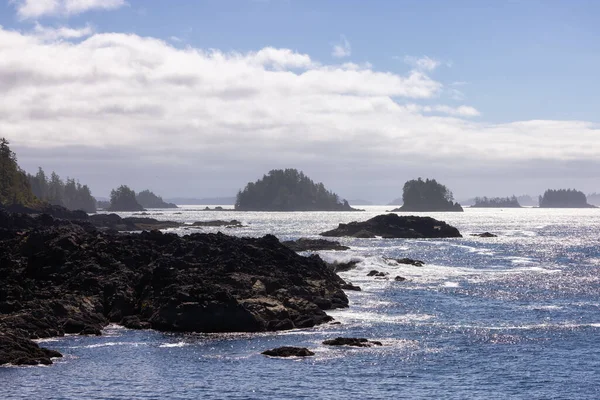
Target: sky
<point x="197" y="98"/>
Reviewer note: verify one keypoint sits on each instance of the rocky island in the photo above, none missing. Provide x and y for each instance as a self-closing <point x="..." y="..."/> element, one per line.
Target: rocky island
<point x="123" y="199"/>
<point x="564" y="198"/>
<point x="288" y="190"/>
<point x="427" y="195"/>
<point x="148" y="199"/>
<point x="394" y="226"/>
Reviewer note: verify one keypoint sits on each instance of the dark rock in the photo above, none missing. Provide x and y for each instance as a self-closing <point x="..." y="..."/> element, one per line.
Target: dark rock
<point x="484" y="235"/>
<point x="18" y="350"/>
<point x="408" y="261"/>
<point x="394" y="226"/>
<point x="227" y="224"/>
<point x="288" y="351"/>
<point x="374" y="272"/>
<point x="305" y="244"/>
<point x="69" y="277"/>
<point x="356" y="342"/>
<point x="343" y="266"/>
<point x="349" y="286"/>
<point x="399" y="279"/>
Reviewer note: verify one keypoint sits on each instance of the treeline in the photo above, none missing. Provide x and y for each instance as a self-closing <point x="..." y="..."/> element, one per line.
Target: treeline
<point x="564" y="198"/>
<point x="507" y="202"/>
<point x="70" y="193"/>
<point x="288" y="190"/>
<point x="14" y="185"/>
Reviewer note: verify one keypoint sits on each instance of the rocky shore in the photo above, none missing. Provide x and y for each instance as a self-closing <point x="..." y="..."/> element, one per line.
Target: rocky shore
<point x="68" y="276"/>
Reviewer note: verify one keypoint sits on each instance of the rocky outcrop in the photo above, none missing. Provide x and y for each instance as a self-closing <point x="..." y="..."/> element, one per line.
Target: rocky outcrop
<point x="288" y="351"/>
<point x="69" y="277"/>
<point x="484" y="235"/>
<point x="393" y="226"/>
<point x="407" y="261"/>
<point x="355" y="342"/>
<point x="306" y="244"/>
<point x="219" y="223"/>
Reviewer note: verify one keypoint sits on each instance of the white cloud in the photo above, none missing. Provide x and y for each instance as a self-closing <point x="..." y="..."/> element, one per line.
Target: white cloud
<point x="142" y="99"/>
<point x="32" y="9"/>
<point x="63" y="32"/>
<point x="424" y="63"/>
<point x="342" y="49"/>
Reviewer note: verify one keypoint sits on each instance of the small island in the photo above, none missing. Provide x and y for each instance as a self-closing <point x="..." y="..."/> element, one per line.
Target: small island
<point x="147" y="199"/>
<point x="288" y="190"/>
<point x="427" y="195"/>
<point x="123" y="199"/>
<point x="496" y="202"/>
<point x="564" y="198"/>
<point x="390" y="226"/>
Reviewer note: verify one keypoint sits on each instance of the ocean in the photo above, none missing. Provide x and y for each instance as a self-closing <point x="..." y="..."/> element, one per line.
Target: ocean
<point x="511" y="317"/>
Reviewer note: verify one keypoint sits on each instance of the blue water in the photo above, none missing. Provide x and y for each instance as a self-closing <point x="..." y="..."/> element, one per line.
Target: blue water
<point x="514" y="317"/>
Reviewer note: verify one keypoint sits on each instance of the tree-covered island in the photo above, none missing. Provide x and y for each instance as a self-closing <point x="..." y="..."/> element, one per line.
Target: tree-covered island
<point x="427" y="195"/>
<point x="496" y="202"/>
<point x="564" y="198"/>
<point x="288" y="190"/>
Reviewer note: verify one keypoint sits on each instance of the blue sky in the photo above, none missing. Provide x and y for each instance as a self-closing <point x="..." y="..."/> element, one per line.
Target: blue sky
<point x="513" y="84"/>
<point x="514" y="60"/>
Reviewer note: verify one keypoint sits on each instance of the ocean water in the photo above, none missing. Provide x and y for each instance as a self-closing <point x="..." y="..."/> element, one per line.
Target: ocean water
<point x="512" y="317"/>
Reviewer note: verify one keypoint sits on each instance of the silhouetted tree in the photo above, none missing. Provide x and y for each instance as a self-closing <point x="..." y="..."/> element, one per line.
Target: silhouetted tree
<point x="123" y="199"/>
<point x="506" y="202"/>
<point x="14" y="185"/>
<point x="70" y="194"/>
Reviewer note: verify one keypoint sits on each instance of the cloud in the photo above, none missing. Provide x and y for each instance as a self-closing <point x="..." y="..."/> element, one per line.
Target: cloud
<point x="422" y="63"/>
<point x="342" y="49"/>
<point x="195" y="119"/>
<point x="33" y="9"/>
<point x="62" y="32"/>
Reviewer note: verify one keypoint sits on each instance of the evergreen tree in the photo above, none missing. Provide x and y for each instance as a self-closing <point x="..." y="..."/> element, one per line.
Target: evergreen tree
<point x="14" y="185"/>
<point x="123" y="199"/>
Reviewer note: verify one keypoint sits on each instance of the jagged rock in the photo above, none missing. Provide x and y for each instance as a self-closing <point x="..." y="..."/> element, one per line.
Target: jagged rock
<point x="349" y="286"/>
<point x="399" y="279"/>
<point x="288" y="351"/>
<point x="305" y="244"/>
<point x="18" y="350"/>
<point x="69" y="277"/>
<point x="355" y="342"/>
<point x="394" y="226"/>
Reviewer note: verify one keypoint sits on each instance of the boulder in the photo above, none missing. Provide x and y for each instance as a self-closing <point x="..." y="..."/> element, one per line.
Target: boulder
<point x="484" y="235"/>
<point x="288" y="351"/>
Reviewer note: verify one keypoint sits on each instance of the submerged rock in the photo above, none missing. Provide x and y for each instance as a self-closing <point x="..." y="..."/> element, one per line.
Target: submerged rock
<point x="355" y="342"/>
<point x="228" y="224"/>
<point x="394" y="226"/>
<point x="408" y="261"/>
<point x="288" y="351"/>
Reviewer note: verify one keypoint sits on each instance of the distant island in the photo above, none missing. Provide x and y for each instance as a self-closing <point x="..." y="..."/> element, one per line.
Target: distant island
<point x="123" y="199"/>
<point x="564" y="198"/>
<point x="206" y="201"/>
<point x="427" y="195"/>
<point x="147" y="199"/>
<point x="496" y="202"/>
<point x="288" y="190"/>
<point x="594" y="199"/>
<point x="360" y="202"/>
<point x="395" y="202"/>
